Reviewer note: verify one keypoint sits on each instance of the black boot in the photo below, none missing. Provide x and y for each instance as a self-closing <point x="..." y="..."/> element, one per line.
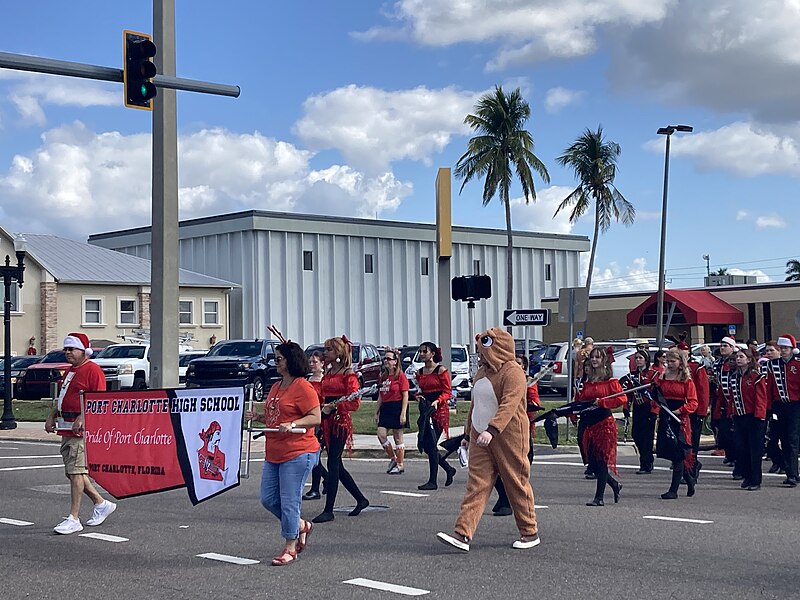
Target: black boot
<point x="690" y="483"/>
<point x="615" y="486"/>
<point x="502" y="507"/>
<point x="677" y="475"/>
<point x="449" y="471"/>
<point x="602" y="479"/>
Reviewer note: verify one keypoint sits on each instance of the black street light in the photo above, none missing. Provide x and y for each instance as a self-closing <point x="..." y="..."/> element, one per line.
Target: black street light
<point x="667" y="131"/>
<point x="10" y="274"/>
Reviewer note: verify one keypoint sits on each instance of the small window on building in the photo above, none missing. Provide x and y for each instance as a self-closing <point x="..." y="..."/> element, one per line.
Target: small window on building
<point x="92" y="311"/>
<point x="210" y="312"/>
<point x="547" y="275"/>
<point x="127" y="312"/>
<point x="308" y="260"/>
<point x="476" y="267"/>
<point x="14" y="297"/>
<point x="186" y="312"/>
<point x="368" y="263"/>
<point x="424" y="265"/>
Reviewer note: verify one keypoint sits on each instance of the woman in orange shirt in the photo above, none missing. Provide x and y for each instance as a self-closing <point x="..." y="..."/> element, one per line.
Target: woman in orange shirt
<point x="291" y="404"/>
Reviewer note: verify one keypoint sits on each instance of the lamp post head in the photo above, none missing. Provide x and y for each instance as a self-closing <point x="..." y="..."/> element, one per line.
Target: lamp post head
<point x="670" y="129"/>
<point x="684" y="128"/>
<point x="20" y="245"/>
<point x="666" y="130"/>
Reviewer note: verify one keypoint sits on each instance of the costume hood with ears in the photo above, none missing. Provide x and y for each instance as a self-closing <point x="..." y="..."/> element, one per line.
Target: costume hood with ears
<point x="496" y="347"/>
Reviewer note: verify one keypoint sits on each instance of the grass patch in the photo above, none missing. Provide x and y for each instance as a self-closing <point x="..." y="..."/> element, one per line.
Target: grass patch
<point x="32" y="410"/>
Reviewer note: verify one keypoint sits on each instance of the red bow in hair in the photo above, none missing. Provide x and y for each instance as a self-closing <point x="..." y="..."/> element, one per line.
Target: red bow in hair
<point x="346" y="341"/>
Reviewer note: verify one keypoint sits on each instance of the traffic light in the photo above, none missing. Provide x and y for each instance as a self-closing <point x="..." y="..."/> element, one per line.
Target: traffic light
<point x="138" y="70"/>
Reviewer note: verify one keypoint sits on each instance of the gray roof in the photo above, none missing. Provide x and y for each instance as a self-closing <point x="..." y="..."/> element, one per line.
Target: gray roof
<point x="70" y="261"/>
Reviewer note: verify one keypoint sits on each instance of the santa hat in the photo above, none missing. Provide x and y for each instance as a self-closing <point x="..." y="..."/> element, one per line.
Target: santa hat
<point x="730" y="341"/>
<point x="788" y="340"/>
<point x="79" y="341"/>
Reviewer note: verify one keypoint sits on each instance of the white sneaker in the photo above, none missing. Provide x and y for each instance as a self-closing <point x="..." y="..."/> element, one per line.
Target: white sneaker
<point x="392" y="465"/>
<point x="68" y="525"/>
<point x="101" y="513"/>
<point x="459" y="542"/>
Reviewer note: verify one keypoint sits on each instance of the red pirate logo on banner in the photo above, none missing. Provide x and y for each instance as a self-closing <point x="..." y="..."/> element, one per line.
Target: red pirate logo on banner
<point x="211" y="458"/>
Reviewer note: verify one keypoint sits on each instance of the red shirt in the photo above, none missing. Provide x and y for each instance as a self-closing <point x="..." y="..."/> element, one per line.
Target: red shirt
<point x="594" y="390"/>
<point x="437" y="386"/>
<point x="784" y="380"/>
<point x="749" y="394"/>
<point x="88" y="377"/>
<point x="392" y="388"/>
<point x="684" y="391"/>
<point x="285" y="406"/>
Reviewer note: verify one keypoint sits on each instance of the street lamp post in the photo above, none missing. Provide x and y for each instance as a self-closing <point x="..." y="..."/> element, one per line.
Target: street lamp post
<point x="10" y="275"/>
<point x="667" y="131"/>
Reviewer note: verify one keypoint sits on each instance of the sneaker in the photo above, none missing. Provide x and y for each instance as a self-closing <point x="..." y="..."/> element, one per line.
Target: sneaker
<point x="529" y="543"/>
<point x="101" y="513"/>
<point x="392" y="465"/>
<point x="458" y="541"/>
<point x="397" y="470"/>
<point x="68" y="525"/>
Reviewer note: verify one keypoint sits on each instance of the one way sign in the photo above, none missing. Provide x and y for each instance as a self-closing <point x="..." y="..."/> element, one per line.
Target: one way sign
<point x="531" y="316"/>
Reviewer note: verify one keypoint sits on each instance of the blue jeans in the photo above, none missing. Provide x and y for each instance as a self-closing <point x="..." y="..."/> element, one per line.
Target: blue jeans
<point x="282" y="490"/>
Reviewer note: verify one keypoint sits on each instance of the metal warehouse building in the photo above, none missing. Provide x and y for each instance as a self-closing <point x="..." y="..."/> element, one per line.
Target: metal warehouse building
<point x="317" y="276"/>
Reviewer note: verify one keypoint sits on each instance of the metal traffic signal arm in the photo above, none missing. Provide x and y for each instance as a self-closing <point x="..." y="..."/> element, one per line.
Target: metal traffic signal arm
<point x="37" y="64"/>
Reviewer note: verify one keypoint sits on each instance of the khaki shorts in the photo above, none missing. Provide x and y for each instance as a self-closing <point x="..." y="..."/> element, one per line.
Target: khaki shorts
<point x="73" y="452"/>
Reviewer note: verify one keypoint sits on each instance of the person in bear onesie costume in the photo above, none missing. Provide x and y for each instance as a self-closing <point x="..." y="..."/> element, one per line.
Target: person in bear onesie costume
<point x="498" y="437"/>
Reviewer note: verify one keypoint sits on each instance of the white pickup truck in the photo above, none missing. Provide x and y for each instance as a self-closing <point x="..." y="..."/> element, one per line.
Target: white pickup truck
<point x="129" y="364"/>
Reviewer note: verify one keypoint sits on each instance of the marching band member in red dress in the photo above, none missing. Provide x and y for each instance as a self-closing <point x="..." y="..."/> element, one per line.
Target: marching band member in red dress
<point x="600" y="432"/>
<point x="433" y="380"/>
<point x="749" y="411"/>
<point x="339" y="382"/>
<point x="703" y="389"/>
<point x="681" y="398"/>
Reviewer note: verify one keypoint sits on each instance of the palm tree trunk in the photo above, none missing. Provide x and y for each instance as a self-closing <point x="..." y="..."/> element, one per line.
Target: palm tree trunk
<point x="509" y="257"/>
<point x="591" y="263"/>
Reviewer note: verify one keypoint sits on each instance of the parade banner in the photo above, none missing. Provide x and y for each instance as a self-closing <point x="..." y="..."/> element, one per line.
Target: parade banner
<point x="157" y="440"/>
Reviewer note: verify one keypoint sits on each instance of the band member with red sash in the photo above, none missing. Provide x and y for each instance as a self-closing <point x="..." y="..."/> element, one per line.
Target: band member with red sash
<point x="749" y="411"/>
<point x="391" y="411"/>
<point x="433" y="380"/>
<point x="680" y="397"/>
<point x="784" y="396"/>
<point x="339" y="382"/>
<point x="645" y="411"/>
<point x="318" y="473"/>
<point x="600" y="427"/>
<point x="721" y="418"/>
<point x="701" y="386"/>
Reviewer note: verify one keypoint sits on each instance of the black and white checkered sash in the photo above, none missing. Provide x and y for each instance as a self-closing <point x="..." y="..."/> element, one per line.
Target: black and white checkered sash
<point x="778" y="369"/>
<point x="724" y="381"/>
<point x="735" y="380"/>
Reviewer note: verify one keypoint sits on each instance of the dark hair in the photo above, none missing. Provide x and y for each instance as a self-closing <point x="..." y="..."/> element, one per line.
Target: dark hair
<point x="752" y="341"/>
<point x="296" y="360"/>
<point x="525" y="362"/>
<point x="658" y="356"/>
<point x="646" y="355"/>
<point x="437" y="352"/>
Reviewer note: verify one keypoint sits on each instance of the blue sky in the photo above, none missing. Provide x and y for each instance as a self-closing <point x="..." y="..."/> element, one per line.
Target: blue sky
<point x="349" y="108"/>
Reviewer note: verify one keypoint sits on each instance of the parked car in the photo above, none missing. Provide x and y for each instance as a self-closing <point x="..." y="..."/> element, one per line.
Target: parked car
<point x="557" y="379"/>
<point x="367" y="363"/>
<point x="535" y="359"/>
<point x="18" y="366"/>
<point x="35" y="383"/>
<point x="126" y="366"/>
<point x="621" y="365"/>
<point x="184" y="358"/>
<point x="461" y="382"/>
<point x="236" y="363"/>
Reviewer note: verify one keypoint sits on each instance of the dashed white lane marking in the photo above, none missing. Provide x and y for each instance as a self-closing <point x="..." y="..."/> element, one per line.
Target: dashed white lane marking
<point x="540" y="506"/>
<point x="32" y="456"/>
<point x="15" y="522"/>
<point x="183" y="527"/>
<point x="31" y="468"/>
<point x="387" y="587"/>
<point x="679" y="520"/>
<point x="104" y="537"/>
<point x="236" y="560"/>
<point x="409" y="494"/>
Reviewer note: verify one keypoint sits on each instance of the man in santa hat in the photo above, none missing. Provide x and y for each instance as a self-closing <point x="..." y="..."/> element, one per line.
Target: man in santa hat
<point x="66" y="420"/>
<point x="783" y="384"/>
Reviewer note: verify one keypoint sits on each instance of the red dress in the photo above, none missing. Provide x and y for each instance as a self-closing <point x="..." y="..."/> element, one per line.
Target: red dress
<point x="681" y="397"/>
<point x="436" y="386"/>
<point x="600" y="437"/>
<point x="338" y="423"/>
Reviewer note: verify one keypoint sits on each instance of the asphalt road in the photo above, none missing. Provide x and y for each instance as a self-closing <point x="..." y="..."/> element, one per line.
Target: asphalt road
<point x="746" y="549"/>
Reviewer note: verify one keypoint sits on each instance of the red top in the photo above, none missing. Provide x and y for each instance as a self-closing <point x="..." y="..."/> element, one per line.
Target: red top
<point x="317" y="385"/>
<point x="392" y="388"/>
<point x="784" y="380"/>
<point x="700" y="379"/>
<point x="339" y="423"/>
<point x="749" y="394"/>
<point x="436" y="386"/>
<point x="285" y="406"/>
<point x="86" y="378"/>
<point x="680" y="391"/>
<point x="594" y="390"/>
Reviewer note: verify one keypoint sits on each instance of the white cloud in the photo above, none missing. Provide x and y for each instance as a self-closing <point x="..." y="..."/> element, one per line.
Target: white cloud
<point x="761" y="277"/>
<point x="741" y="215"/>
<point x="527" y="31"/>
<point x="559" y="97"/>
<point x="79" y="182"/>
<point x="772" y="220"/>
<point x="616" y="278"/>
<point x="373" y="127"/>
<point x="538" y="216"/>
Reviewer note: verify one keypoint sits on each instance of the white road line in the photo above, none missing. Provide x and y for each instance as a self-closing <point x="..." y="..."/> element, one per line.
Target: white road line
<point x="104" y="537"/>
<point x="32" y="456"/>
<point x="657" y="518"/>
<point x="540" y="506"/>
<point x="21" y="443"/>
<point x="15" y="522"/>
<point x="409" y="494"/>
<point x="236" y="560"/>
<point x="552" y="456"/>
<point x="387" y="587"/>
<point x="703" y="471"/>
<point x="31" y="468"/>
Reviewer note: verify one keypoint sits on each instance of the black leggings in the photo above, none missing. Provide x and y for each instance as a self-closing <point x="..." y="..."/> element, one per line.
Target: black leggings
<point x="337" y="473"/>
<point x="644" y="428"/>
<point x="435" y="459"/>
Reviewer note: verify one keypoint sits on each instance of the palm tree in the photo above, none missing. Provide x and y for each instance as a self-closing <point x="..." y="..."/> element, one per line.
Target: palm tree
<point x="501" y="149"/>
<point x="793" y="270"/>
<point x="720" y="272"/>
<point x="594" y="162"/>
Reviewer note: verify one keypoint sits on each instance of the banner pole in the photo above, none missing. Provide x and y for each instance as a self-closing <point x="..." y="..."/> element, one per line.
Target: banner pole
<point x="249" y="391"/>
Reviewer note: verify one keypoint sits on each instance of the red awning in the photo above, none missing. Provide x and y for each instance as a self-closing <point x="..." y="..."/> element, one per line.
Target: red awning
<point x="696" y="307"/>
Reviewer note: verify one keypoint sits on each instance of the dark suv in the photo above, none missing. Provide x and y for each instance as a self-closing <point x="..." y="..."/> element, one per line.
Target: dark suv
<point x="367" y="363"/>
<point x="235" y="363"/>
<point x="35" y="383"/>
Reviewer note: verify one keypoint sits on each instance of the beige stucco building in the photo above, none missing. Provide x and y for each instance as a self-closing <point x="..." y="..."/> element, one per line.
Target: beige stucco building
<point x="73" y="286"/>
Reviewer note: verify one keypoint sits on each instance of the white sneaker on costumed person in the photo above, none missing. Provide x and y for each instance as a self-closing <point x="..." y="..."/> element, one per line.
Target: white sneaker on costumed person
<point x="68" y="525"/>
<point x="101" y="513"/>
